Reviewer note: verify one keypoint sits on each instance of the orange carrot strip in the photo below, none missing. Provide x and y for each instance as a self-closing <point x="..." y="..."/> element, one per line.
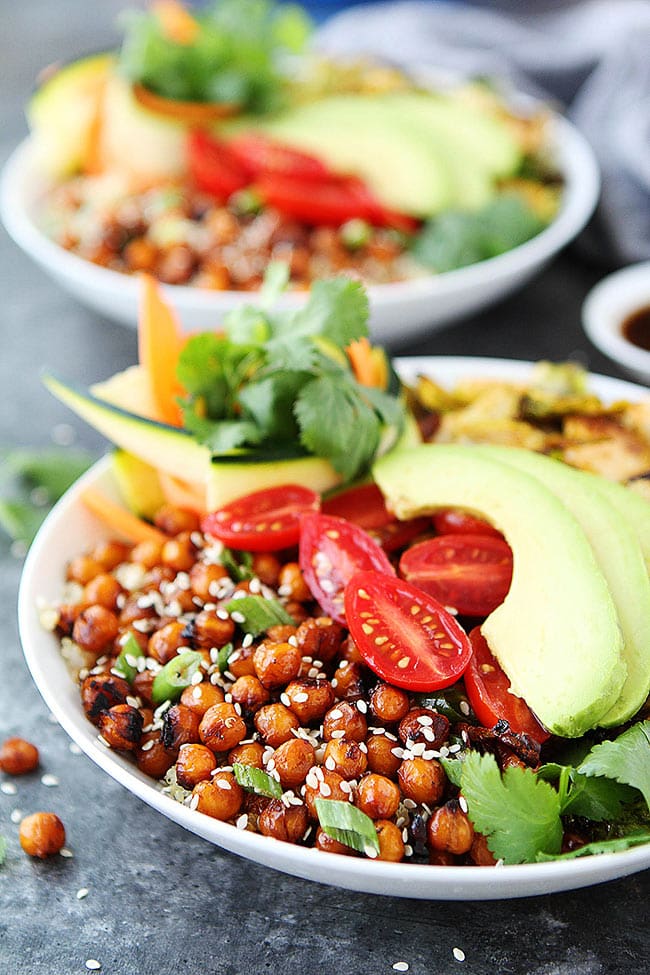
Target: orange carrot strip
<point x="176" y="21"/>
<point x="183" y="494"/>
<point x="120" y="520"/>
<point x="159" y="346"/>
<point x="362" y="360"/>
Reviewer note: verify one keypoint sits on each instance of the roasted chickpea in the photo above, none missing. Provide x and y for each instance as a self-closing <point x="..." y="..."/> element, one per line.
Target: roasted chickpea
<point x="310" y="698"/>
<point x="380" y="755"/>
<point x="424" y="725"/>
<point x="200" y="697"/>
<point x="42" y="835"/>
<point x="247" y="753"/>
<point x="103" y="590"/>
<point x="157" y="576"/>
<point x="100" y="692"/>
<point x="195" y="763"/>
<point x="297" y="611"/>
<point x="391" y="844"/>
<point x="331" y="785"/>
<point x="82" y="569"/>
<point x="282" y="822"/>
<point x="422" y="780"/>
<point x="68" y="613"/>
<point x="344" y="720"/>
<point x="204" y="577"/>
<point x="350" y="652"/>
<point x="110" y="554"/>
<point x="292" y="584"/>
<point x="221" y="797"/>
<point x="281" y="632"/>
<point x="389" y="704"/>
<point x="275" y="723"/>
<point x="276" y="663"/>
<point x="147" y="554"/>
<point x="172" y="520"/>
<point x="209" y="630"/>
<point x="17" y="756"/>
<point x="348" y="681"/>
<point x="180" y="727"/>
<point x="222" y="728"/>
<point x="450" y="830"/>
<point x="152" y="757"/>
<point x="329" y="845"/>
<point x="121" y="727"/>
<point x="132" y="611"/>
<point x="266" y="567"/>
<point x="345" y="757"/>
<point x="249" y="693"/>
<point x="95" y="629"/>
<point x="480" y="854"/>
<point x="377" y="796"/>
<point x="179" y="553"/>
<point x="292" y="760"/>
<point x="243" y="664"/>
<point x="320" y="638"/>
<point x="165" y="643"/>
<point x="140" y="255"/>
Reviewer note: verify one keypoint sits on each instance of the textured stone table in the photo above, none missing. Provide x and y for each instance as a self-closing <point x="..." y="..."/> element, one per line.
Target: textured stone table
<point x="159" y="899"/>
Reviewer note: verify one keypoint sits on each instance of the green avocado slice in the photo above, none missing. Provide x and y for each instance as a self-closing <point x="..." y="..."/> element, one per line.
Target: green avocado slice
<point x="556" y="634"/>
<point x="613" y="539"/>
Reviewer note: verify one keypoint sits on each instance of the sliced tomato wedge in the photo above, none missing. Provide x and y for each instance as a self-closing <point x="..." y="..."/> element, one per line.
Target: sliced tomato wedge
<point x="264" y="521"/>
<point x="365" y="506"/>
<point x="403" y="634"/>
<point x="333" y="202"/>
<point x="472" y="573"/>
<point x="213" y="167"/>
<point x="258" y="154"/>
<point x="331" y="551"/>
<point x="488" y="690"/>
<point x="454" y="522"/>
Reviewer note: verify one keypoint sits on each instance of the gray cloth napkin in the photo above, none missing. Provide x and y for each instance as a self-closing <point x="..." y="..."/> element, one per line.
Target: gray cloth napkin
<point x="591" y="57"/>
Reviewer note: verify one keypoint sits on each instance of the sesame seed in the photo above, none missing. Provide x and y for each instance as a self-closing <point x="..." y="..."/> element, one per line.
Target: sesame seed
<point x="337" y="734"/>
<point x="237" y="617"/>
<point x="93" y="965"/>
<point x="462" y="802"/>
<point x="363" y="747"/>
<point x="224" y="784"/>
<point x="370" y="852"/>
<point x="242" y="821"/>
<point x="408" y="850"/>
<point x="429" y="734"/>
<point x="397" y="752"/>
<point x="425" y="720"/>
<point x="82" y="892"/>
<point x="148" y="745"/>
<point x="194" y="801"/>
<point x="16" y="815"/>
<point x="362" y="706"/>
<point x="222" y="614"/>
<point x="345" y="787"/>
<point x="66" y="853"/>
<point x="336" y="713"/>
<point x="410" y="804"/>
<point x="285" y="699"/>
<point x="458" y="954"/>
<point x="464" y="707"/>
<point x="330" y="764"/>
<point x="247" y="641"/>
<point x="8" y="789"/>
<point x="401" y="966"/>
<point x="301" y="698"/>
<point x="325" y="789"/>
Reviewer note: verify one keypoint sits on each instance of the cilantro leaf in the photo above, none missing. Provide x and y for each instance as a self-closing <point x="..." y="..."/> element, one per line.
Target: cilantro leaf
<point x="291" y="352"/>
<point x="201" y="371"/>
<point x="276" y="279"/>
<point x="597" y="799"/>
<point x="269" y="404"/>
<point x="246" y="325"/>
<point x="519" y="814"/>
<point x="601" y="846"/>
<point x="453" y="769"/>
<point x="336" y="423"/>
<point x="626" y="759"/>
<point x="223" y="436"/>
<point x="337" y="310"/>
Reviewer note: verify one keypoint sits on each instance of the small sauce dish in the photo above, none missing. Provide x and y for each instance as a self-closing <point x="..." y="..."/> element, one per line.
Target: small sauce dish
<point x="616" y="318"/>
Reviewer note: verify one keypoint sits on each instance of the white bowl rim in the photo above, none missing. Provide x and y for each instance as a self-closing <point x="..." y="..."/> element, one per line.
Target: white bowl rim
<point x="607" y="306"/>
<point x="396" y="879"/>
<point x="574" y="156"/>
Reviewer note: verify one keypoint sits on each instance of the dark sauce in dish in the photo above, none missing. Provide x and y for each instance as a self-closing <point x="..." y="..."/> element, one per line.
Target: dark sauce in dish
<point x="636" y="328"/>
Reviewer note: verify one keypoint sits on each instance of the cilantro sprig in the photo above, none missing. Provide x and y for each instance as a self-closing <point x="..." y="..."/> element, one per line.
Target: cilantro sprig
<point x="279" y="381"/>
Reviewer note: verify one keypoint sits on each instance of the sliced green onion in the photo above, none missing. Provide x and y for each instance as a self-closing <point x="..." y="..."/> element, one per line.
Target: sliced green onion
<point x="224" y="656"/>
<point x="347" y="824"/>
<point x="238" y="564"/>
<point x="131" y="650"/>
<point x="452" y="702"/>
<point x="170" y="682"/>
<point x="256" y="613"/>
<point x="255" y="780"/>
<point x="3" y="850"/>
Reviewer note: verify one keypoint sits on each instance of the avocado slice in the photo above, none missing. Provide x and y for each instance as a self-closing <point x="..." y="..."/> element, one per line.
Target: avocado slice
<point x="614" y="542"/>
<point x="360" y="134"/>
<point x="556" y="634"/>
<point x="63" y="113"/>
<point x="138" y="483"/>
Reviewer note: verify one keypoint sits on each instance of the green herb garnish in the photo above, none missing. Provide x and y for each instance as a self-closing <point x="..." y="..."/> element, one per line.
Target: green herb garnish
<point x="255" y="614"/>
<point x="457" y="239"/>
<point x="256" y="780"/>
<point x="224" y="656"/>
<point x="626" y="760"/>
<point x="347" y="824"/>
<point x="3" y="850"/>
<point x="126" y="664"/>
<point x="170" y="682"/>
<point x="601" y="846"/>
<point x="234" y="57"/>
<point x="239" y="565"/>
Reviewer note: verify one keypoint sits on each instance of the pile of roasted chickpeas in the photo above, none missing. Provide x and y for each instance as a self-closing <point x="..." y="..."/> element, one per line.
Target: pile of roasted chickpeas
<point x="41" y="834"/>
<point x="296" y="702"/>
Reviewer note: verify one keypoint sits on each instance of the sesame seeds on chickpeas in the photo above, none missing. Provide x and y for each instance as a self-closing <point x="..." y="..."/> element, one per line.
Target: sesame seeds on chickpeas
<point x="295" y="703"/>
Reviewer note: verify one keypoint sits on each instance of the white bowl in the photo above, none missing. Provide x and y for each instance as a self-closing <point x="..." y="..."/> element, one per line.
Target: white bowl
<point x="398" y="311"/>
<point x="70" y="529"/>
<point x="605" y="309"/>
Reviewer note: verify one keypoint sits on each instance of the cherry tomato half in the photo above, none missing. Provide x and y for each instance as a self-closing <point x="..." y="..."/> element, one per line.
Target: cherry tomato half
<point x="472" y="573"/>
<point x="333" y="202"/>
<point x="365" y="506"/>
<point x="214" y="169"/>
<point x="257" y="155"/>
<point x="403" y="634"/>
<point x="488" y="690"/>
<point x="331" y="552"/>
<point x="450" y="521"/>
<point x="264" y="521"/>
